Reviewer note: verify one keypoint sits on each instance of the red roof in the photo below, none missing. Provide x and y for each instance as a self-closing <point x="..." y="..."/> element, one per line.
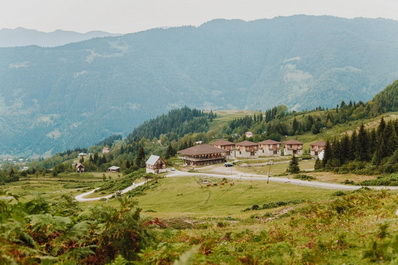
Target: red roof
<point x="292" y="142"/>
<point x="318" y="144"/>
<point x="201" y="149"/>
<point x="269" y="142"/>
<point x="247" y="143"/>
<point x="223" y="142"/>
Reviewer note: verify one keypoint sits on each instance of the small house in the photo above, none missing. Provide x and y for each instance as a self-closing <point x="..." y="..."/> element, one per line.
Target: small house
<point x="293" y="147"/>
<point x="249" y="134"/>
<point x="246" y="149"/>
<point x="79" y="168"/>
<point x="317" y="147"/>
<point x="105" y="150"/>
<point x="155" y="164"/>
<point x="82" y="154"/>
<point x="113" y="169"/>
<point x="226" y="145"/>
<point x="270" y="148"/>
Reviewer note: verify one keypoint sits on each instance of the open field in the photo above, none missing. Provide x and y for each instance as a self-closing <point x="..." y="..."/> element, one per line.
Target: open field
<point x="190" y="196"/>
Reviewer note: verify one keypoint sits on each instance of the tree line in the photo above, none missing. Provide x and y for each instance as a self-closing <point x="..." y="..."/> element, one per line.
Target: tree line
<point x="373" y="150"/>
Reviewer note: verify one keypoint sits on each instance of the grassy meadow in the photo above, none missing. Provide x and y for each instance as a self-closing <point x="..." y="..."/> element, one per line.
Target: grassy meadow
<point x="190" y="196"/>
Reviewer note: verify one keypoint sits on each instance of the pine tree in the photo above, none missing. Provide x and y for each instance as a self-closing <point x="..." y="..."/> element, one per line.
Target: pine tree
<point x="169" y="152"/>
<point x="140" y="158"/>
<point x="294" y="165"/>
<point x="362" y="148"/>
<point x="345" y="149"/>
<point x="353" y="145"/>
<point x="295" y="126"/>
<point x="327" y="155"/>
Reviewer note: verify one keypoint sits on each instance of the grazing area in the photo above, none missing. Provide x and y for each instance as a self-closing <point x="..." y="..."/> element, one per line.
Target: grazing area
<point x="210" y="197"/>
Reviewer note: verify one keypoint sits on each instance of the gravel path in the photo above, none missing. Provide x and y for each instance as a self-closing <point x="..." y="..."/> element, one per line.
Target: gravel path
<point x="80" y="198"/>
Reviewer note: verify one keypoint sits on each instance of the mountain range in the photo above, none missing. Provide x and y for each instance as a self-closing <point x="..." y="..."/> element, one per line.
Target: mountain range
<point x="25" y="37"/>
<point x="58" y="98"/>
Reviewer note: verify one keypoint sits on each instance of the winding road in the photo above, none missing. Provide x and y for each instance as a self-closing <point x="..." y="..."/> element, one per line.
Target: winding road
<point x="242" y="176"/>
<point x="80" y="198"/>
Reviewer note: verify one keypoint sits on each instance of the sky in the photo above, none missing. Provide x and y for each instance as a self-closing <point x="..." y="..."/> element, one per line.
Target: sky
<point x="126" y="16"/>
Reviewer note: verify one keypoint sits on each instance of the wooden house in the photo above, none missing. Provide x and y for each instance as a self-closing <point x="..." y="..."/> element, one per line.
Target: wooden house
<point x="293" y="147"/>
<point x="226" y="145"/>
<point x="317" y="147"/>
<point x="270" y="148"/>
<point x="203" y="154"/>
<point x="246" y="149"/>
<point x="79" y="168"/>
<point x="155" y="164"/>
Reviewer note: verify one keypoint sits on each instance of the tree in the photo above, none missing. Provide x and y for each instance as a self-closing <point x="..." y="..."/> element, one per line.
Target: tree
<point x="293" y="165"/>
<point x="140" y="158"/>
<point x="170" y="152"/>
<point x="295" y="126"/>
<point x="362" y="149"/>
<point x="328" y="154"/>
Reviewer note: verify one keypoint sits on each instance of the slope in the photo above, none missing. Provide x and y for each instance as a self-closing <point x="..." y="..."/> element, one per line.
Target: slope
<point x="77" y="94"/>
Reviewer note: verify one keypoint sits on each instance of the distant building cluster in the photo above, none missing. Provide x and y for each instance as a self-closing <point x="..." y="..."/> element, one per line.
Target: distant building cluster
<point x="219" y="151"/>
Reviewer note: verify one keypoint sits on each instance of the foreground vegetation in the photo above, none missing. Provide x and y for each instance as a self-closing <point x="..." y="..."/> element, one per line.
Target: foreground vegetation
<point x="244" y="223"/>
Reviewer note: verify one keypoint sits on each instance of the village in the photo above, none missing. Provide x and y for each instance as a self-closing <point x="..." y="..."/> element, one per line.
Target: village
<point x="221" y="151"/>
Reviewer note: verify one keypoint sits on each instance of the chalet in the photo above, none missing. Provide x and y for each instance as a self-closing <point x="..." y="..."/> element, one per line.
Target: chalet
<point x="105" y="150"/>
<point x="226" y="145"/>
<point x="203" y="154"/>
<point x="155" y="164"/>
<point x="270" y="148"/>
<point x="317" y="147"/>
<point x="246" y="149"/>
<point x="293" y="147"/>
<point x="113" y="169"/>
<point x="79" y="168"/>
<point x="82" y="154"/>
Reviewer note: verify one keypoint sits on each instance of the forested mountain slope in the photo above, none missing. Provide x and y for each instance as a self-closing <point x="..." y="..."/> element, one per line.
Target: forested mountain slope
<point x="53" y="99"/>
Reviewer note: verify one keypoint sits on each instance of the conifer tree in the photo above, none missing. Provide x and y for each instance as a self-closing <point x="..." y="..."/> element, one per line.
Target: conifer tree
<point x="294" y="165"/>
<point x="327" y="154"/>
<point x="362" y="147"/>
<point x="170" y="152"/>
<point x="295" y="126"/>
<point x="140" y="158"/>
<point x="345" y="149"/>
<point x="353" y="146"/>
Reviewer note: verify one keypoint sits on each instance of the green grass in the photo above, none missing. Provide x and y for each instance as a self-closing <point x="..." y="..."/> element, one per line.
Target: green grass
<point x="224" y="116"/>
<point x="187" y="196"/>
<point x="51" y="188"/>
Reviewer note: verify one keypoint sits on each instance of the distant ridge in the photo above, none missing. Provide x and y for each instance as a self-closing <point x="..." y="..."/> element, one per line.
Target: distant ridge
<point x="53" y="99"/>
<point x="25" y="37"/>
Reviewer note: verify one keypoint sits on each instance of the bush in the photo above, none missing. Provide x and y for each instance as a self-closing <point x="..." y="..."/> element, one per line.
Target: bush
<point x="339" y="193"/>
<point x="348" y="182"/>
<point x="386" y="180"/>
<point x="304" y="177"/>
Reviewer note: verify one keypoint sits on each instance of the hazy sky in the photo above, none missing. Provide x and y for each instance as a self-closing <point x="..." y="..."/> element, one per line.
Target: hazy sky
<point x="123" y="16"/>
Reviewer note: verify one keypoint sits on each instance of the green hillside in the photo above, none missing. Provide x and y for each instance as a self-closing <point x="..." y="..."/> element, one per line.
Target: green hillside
<point x="75" y="95"/>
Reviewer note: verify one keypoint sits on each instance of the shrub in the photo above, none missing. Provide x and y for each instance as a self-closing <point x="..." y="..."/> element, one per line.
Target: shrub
<point x="339" y="193"/>
<point x="304" y="177"/>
